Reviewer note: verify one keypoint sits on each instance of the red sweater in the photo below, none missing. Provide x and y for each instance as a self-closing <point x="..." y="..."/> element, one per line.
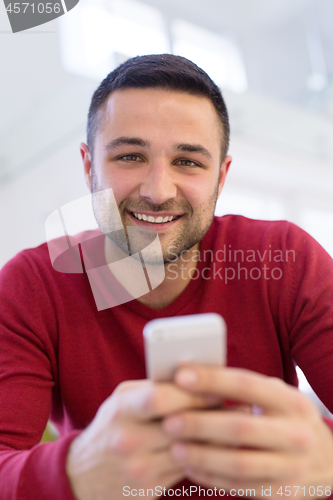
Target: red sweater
<point x="61" y="358"/>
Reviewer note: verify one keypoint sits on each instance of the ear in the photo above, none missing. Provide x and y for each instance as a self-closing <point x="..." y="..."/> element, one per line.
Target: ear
<point x="86" y="158"/>
<point x="223" y="172"/>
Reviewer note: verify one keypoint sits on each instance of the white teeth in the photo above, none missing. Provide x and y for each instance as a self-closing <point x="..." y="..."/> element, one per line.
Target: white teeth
<point x="157" y="220"/>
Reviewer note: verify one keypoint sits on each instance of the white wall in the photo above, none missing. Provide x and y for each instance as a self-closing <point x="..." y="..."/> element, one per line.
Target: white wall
<point x="26" y="201"/>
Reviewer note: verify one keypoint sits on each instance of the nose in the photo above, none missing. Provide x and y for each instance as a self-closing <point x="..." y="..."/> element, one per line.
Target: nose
<point x="159" y="186"/>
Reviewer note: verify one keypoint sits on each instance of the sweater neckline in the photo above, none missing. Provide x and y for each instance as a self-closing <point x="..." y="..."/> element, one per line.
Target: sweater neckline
<point x="180" y="302"/>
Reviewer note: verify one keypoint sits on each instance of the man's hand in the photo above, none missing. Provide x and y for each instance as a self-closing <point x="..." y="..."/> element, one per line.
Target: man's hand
<point x="125" y="444"/>
<point x="285" y="444"/>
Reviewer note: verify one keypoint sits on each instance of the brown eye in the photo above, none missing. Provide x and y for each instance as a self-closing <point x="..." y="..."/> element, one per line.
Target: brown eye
<point x="130" y="158"/>
<point x="188" y="163"/>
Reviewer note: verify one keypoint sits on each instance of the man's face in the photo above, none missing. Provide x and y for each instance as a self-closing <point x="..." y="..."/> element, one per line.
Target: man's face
<point x="160" y="152"/>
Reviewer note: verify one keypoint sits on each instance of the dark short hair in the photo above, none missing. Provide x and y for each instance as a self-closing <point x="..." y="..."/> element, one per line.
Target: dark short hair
<point x="164" y="71"/>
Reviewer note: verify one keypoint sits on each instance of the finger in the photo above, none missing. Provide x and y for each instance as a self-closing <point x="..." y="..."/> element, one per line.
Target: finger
<point x="150" y="466"/>
<point x="224" y="484"/>
<point x="252" y="489"/>
<point x="269" y="393"/>
<point x="170" y="479"/>
<point x="232" y="488"/>
<point x="150" y="400"/>
<point x="241" y="465"/>
<point x="240" y="429"/>
<point x="131" y="437"/>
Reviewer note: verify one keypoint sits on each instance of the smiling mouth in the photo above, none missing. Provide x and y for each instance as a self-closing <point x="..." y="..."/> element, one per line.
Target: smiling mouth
<point x="155" y="220"/>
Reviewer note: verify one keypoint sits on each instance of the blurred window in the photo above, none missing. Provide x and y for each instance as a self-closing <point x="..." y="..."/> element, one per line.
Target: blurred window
<point x="102" y="35"/>
<point x="98" y="38"/>
<point x="217" y="55"/>
<point x="252" y="205"/>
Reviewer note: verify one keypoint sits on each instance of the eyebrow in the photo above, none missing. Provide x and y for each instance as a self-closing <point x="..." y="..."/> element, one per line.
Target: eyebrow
<point x="126" y="141"/>
<point x="193" y="148"/>
<point x="136" y="141"/>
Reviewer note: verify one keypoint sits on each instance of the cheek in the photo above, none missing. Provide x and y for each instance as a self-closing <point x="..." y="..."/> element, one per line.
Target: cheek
<point x="199" y="193"/>
<point x="123" y="183"/>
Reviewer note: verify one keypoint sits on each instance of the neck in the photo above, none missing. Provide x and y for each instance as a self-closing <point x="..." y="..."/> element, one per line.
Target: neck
<point x="178" y="274"/>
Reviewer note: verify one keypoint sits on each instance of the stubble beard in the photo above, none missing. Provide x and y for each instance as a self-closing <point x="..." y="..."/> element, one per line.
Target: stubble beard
<point x="195" y="228"/>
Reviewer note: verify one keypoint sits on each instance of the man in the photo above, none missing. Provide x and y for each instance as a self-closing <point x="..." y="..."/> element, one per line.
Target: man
<point x="158" y="136"/>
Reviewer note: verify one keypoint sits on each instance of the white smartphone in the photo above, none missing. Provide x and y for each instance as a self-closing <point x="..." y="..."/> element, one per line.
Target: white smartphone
<point x="170" y="342"/>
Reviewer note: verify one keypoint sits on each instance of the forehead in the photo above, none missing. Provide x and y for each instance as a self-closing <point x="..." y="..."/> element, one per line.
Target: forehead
<point x="161" y="114"/>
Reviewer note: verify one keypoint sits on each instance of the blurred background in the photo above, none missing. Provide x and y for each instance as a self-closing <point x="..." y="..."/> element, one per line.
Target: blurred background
<point x="273" y="61"/>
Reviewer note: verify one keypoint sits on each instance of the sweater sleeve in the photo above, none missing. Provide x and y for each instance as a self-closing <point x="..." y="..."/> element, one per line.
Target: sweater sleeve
<point x="28" y="470"/>
<point x="310" y="313"/>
